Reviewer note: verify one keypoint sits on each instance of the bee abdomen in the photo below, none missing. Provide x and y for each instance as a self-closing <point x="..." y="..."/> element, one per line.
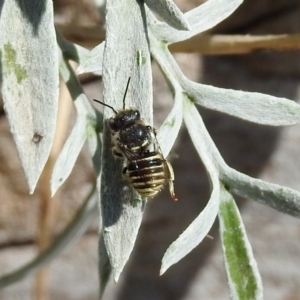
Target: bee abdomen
<point x="147" y="175"/>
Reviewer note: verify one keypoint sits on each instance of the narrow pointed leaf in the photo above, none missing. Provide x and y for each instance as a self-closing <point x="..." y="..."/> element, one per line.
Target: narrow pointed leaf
<point x="169" y="12"/>
<point x="243" y="276"/>
<point x="209" y="154"/>
<point x="95" y="147"/>
<point x="253" y="107"/>
<point x="29" y="76"/>
<point x="169" y="130"/>
<point x="195" y="233"/>
<point x="200" y="227"/>
<point x="86" y="121"/>
<point x="126" y="54"/>
<point x="92" y="62"/>
<point x="69" y="154"/>
<point x="200" y="19"/>
<point x="278" y="197"/>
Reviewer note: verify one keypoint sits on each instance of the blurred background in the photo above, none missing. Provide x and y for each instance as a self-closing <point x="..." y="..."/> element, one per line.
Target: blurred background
<point x="28" y="223"/>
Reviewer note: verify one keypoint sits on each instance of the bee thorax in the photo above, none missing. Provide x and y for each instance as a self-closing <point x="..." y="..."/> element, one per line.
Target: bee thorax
<point x="134" y="136"/>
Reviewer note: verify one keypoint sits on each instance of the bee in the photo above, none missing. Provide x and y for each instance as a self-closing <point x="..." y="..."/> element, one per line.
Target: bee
<point x="136" y="143"/>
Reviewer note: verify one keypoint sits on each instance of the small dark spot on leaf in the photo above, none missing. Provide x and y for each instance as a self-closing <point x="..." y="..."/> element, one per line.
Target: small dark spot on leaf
<point x="37" y="137"/>
<point x="135" y="201"/>
<point x="193" y="100"/>
<point x="227" y="187"/>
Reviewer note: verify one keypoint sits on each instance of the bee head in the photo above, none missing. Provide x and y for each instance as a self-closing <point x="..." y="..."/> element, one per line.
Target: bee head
<point x="124" y="119"/>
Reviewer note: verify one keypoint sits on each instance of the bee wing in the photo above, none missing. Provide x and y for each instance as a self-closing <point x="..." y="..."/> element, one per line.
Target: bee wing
<point x="155" y="141"/>
<point x="168" y="167"/>
<point x="129" y="154"/>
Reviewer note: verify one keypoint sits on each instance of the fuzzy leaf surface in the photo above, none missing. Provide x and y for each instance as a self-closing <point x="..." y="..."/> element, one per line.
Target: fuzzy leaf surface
<point x="92" y="62"/>
<point x="169" y="12"/>
<point x="253" y="107"/>
<point x="29" y="77"/>
<point x="200" y="227"/>
<point x="243" y="275"/>
<point x="200" y="19"/>
<point x="126" y="54"/>
<point x="86" y="121"/>
<point x="169" y="130"/>
<point x="278" y="197"/>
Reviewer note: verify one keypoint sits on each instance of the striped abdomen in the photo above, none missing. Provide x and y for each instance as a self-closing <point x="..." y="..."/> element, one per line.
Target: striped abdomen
<point x="147" y="175"/>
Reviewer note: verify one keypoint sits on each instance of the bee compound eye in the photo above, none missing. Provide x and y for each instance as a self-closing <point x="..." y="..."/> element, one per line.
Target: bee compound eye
<point x="137" y="114"/>
<point x="112" y="124"/>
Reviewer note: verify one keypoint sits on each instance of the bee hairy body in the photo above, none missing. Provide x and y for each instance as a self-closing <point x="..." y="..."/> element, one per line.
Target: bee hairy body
<point x="133" y="139"/>
<point x="147" y="175"/>
<point x="146" y="169"/>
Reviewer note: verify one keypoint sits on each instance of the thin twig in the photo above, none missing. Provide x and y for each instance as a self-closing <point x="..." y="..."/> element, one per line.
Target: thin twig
<point x="236" y="44"/>
<point x="216" y="44"/>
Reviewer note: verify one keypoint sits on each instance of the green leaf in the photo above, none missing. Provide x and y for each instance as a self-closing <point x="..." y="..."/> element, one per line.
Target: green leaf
<point x="242" y="272"/>
<point x="30" y="82"/>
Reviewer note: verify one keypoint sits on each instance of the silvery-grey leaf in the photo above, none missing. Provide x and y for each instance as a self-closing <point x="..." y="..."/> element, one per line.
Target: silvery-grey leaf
<point x="200" y="227"/>
<point x="69" y="154"/>
<point x="86" y="121"/>
<point x="92" y="62"/>
<point x="200" y="19"/>
<point x="30" y="82"/>
<point x="278" y="197"/>
<point x="254" y="107"/>
<point x="169" y="130"/>
<point x="169" y="12"/>
<point x="95" y="147"/>
<point x="126" y="54"/>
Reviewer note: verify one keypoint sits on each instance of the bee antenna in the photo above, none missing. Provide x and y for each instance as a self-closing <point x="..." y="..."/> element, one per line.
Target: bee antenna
<point x="104" y="104"/>
<point x="126" y="92"/>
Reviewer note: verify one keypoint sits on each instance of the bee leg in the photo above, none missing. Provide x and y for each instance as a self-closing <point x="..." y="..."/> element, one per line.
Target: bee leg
<point x="153" y="132"/>
<point x="116" y="153"/>
<point x="170" y="178"/>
